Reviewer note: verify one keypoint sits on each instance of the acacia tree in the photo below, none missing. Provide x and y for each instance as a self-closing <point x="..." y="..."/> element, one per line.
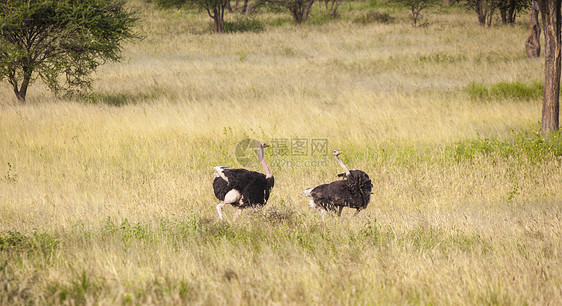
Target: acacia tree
<point x="552" y="21"/>
<point x="48" y="39"/>
<point x="214" y="8"/>
<point x="299" y="9"/>
<point x="416" y="7"/>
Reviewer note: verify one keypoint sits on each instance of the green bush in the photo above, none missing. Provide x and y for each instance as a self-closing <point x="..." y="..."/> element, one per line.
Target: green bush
<point x="320" y="19"/>
<point x="243" y="25"/>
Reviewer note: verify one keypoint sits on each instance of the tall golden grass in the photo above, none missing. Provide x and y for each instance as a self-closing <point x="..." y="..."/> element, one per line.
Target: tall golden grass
<point x="107" y="199"/>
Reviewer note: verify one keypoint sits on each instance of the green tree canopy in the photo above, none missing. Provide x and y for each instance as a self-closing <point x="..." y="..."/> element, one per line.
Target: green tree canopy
<point x="60" y="41"/>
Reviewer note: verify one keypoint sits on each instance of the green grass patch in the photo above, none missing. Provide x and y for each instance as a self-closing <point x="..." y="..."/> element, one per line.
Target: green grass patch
<point x="322" y="18"/>
<point x="530" y="145"/>
<point x="13" y="242"/>
<point x="121" y="99"/>
<point x="280" y="21"/>
<point x="505" y="91"/>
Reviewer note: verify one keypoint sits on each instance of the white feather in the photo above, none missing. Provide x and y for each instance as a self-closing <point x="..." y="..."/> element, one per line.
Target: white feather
<point x="311" y="204"/>
<point x="232" y="196"/>
<point x="307" y="192"/>
<point x="219" y="172"/>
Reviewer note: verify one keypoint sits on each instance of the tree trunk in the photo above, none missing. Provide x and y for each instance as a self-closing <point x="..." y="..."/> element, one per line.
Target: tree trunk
<point x="307" y="10"/>
<point x="550" y="12"/>
<point x="533" y="44"/>
<point x="334" y="8"/>
<point x="245" y="7"/>
<point x="296" y="16"/>
<point x="20" y="92"/>
<point x="229" y="7"/>
<point x="490" y="9"/>
<point x="512" y="14"/>
<point x="489" y="21"/>
<point x="481" y="17"/>
<point x="218" y="17"/>
<point x="219" y="24"/>
<point x="503" y="14"/>
<point x="508" y="11"/>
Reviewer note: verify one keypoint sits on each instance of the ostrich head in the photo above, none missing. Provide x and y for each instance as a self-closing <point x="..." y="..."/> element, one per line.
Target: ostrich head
<point x="262" y="145"/>
<point x="336" y="153"/>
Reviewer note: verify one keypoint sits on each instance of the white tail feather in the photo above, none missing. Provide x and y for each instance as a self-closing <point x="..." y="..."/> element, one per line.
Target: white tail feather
<point x="307" y="192"/>
<point x="219" y="173"/>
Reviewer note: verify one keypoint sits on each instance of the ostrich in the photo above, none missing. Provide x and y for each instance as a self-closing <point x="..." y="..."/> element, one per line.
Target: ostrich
<point x="353" y="192"/>
<point x="243" y="188"/>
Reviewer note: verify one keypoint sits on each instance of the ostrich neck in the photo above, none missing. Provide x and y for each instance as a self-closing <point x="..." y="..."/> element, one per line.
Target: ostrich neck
<point x="342" y="165"/>
<point x="268" y="173"/>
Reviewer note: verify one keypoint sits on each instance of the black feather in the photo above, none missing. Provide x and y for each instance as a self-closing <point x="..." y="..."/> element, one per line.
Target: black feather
<point x="354" y="192"/>
<point x="254" y="186"/>
<point x="220" y="187"/>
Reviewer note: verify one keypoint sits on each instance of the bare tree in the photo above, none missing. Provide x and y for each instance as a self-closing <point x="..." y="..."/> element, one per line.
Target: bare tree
<point x="533" y="44"/>
<point x="299" y="9"/>
<point x="552" y="21"/>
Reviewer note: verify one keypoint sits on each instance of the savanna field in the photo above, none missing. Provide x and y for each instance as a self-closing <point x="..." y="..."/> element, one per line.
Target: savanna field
<point x="106" y="198"/>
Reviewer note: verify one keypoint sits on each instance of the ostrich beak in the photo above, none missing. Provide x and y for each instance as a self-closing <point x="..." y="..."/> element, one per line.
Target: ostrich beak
<point x="262" y="145"/>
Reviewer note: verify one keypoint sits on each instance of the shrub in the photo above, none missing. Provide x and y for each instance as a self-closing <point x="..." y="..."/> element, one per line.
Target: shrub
<point x="243" y="25"/>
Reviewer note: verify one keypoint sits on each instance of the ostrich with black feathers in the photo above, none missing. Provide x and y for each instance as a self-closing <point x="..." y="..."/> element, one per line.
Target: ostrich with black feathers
<point x="354" y="191"/>
<point x="243" y="188"/>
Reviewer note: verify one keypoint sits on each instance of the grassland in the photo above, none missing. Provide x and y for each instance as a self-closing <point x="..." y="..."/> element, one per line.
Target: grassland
<point x="107" y="199"/>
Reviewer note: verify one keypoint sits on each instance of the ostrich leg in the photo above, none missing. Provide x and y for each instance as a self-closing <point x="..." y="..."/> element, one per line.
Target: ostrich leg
<point x="231" y="197"/>
<point x="356" y="213"/>
<point x="219" y="209"/>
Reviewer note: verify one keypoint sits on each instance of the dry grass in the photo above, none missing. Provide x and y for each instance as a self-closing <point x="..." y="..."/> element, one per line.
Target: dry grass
<point x="107" y="199"/>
